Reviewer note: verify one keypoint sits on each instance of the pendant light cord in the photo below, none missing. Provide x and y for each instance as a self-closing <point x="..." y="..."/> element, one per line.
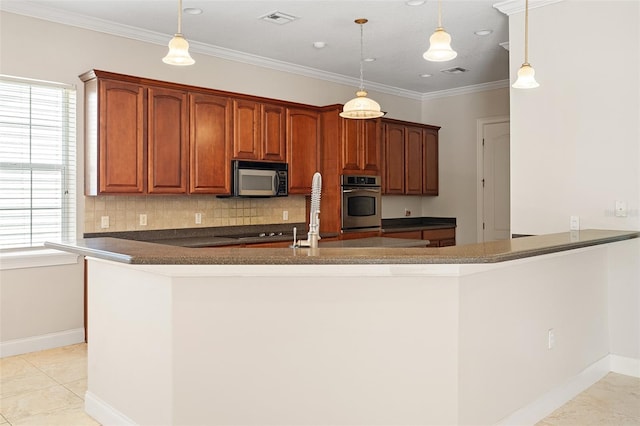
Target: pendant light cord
<point x="526" y="31"/>
<point x="179" y="16"/>
<point x="439" y="13"/>
<point x="361" y="57"/>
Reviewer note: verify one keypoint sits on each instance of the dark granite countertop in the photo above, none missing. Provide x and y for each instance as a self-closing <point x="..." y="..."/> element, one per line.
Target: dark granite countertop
<point x="138" y="252"/>
<point x="407" y="224"/>
<point x="214" y="236"/>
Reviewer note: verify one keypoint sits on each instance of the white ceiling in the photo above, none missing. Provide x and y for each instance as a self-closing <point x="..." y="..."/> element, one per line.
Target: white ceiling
<point x="396" y="36"/>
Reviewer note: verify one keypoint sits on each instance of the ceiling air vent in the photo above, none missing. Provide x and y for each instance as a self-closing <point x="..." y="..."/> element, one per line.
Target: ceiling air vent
<point x="278" y="18"/>
<point x="455" y="70"/>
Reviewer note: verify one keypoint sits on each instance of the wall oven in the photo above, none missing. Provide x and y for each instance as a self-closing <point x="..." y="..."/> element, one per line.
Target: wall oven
<point x="361" y="197"/>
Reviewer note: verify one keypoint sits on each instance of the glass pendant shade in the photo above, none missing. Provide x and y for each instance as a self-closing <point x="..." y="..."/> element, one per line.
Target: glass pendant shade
<point x="526" y="78"/>
<point x="178" y="52"/>
<point x="440" y="47"/>
<point x="361" y="107"/>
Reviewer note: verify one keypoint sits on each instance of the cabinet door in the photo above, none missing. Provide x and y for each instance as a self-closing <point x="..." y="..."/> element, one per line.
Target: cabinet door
<point x="370" y="141"/>
<point x="430" y="167"/>
<point x="351" y="151"/>
<point x="303" y="144"/>
<point x="209" y="144"/>
<point x="413" y="160"/>
<point x="246" y="130"/>
<point x="167" y="138"/>
<point x="394" y="159"/>
<point x="273" y="130"/>
<point x="361" y="146"/>
<point x="410" y="235"/>
<point x="121" y="138"/>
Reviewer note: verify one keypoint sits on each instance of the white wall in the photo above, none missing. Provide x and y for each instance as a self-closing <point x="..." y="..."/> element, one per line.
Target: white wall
<point x="458" y="117"/>
<point x="575" y="140"/>
<point x="41" y="307"/>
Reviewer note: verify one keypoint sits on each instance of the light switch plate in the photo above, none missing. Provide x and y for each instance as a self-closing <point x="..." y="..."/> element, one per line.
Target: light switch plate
<point x="574" y="223"/>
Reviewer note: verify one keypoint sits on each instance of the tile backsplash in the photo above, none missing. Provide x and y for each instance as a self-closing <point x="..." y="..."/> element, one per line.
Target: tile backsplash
<point x="179" y="211"/>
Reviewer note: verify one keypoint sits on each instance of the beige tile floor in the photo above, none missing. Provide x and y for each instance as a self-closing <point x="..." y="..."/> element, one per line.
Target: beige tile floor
<point x="47" y="388"/>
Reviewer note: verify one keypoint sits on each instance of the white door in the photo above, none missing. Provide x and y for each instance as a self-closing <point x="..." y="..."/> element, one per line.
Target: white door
<point x="495" y="181"/>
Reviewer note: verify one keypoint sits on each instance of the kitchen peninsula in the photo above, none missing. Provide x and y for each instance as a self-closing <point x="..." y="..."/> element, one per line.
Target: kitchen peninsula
<point x="342" y="336"/>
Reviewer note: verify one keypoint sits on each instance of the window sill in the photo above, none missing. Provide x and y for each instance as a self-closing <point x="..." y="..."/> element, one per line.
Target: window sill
<point x="22" y="259"/>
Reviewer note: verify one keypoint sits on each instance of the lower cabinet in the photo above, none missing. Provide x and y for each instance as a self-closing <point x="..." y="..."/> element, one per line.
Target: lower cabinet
<point x="437" y="237"/>
<point x="440" y="237"/>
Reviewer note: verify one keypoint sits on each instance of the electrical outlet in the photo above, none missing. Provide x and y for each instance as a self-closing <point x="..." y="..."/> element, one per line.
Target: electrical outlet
<point x="143" y="220"/>
<point x="104" y="222"/>
<point x="574" y="223"/>
<point x="285" y="215"/>
<point x="198" y="218"/>
<point x="551" y="339"/>
<point x="407" y="212"/>
<point x="621" y="209"/>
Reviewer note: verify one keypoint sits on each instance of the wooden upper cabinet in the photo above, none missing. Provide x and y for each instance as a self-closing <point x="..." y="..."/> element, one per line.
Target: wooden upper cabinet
<point x="210" y="144"/>
<point x="273" y="130"/>
<point x="168" y="141"/>
<point x="394" y="153"/>
<point x="371" y="142"/>
<point x="258" y="131"/>
<point x="119" y="166"/>
<point x="413" y="161"/>
<point x="430" y="182"/>
<point x="246" y="130"/>
<point x="303" y="147"/>
<point x="361" y="146"/>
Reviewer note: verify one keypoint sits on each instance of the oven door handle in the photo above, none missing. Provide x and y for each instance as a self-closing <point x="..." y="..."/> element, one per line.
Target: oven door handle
<point x="347" y="191"/>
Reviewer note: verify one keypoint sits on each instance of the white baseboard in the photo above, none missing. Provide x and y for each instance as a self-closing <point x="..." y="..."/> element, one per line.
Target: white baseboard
<point x="557" y="397"/>
<point x="624" y="365"/>
<point x="42" y="342"/>
<point x="104" y="413"/>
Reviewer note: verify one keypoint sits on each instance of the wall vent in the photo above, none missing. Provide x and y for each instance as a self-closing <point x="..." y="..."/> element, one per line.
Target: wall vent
<point x="278" y="18"/>
<point x="455" y="70"/>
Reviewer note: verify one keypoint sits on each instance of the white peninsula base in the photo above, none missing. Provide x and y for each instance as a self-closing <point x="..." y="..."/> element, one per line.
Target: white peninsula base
<point x="346" y="344"/>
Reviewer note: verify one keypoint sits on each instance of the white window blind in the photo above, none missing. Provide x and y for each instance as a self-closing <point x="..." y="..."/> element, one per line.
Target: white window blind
<point x="37" y="162"/>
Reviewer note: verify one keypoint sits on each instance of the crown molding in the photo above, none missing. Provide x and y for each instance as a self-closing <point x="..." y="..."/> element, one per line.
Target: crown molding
<point x="510" y="7"/>
<point x="500" y="84"/>
<point x="108" y="27"/>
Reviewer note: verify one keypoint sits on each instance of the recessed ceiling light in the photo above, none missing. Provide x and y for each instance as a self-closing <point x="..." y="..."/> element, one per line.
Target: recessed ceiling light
<point x="319" y="44"/>
<point x="425" y="75"/>
<point x="483" y="32"/>
<point x="415" y="2"/>
<point x="369" y="59"/>
<point x="192" y="10"/>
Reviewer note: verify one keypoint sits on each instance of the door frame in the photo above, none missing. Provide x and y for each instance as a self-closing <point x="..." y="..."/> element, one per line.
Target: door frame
<point x="480" y="123"/>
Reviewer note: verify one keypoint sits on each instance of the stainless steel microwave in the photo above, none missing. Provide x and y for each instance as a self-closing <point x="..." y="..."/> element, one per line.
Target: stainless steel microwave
<point x="259" y="179"/>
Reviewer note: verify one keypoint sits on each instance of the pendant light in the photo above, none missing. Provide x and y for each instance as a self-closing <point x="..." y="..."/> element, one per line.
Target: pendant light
<point x="440" y="43"/>
<point x="526" y="73"/>
<point x="361" y="107"/>
<point x="178" y="46"/>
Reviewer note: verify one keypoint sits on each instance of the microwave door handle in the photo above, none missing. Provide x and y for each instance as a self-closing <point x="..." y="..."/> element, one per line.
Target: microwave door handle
<point x="276" y="182"/>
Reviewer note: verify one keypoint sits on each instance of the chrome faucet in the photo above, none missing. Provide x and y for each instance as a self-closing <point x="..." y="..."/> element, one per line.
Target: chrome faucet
<point x="314" y="215"/>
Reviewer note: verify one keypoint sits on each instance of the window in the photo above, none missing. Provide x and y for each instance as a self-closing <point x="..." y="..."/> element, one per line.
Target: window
<point x="37" y="162"/>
